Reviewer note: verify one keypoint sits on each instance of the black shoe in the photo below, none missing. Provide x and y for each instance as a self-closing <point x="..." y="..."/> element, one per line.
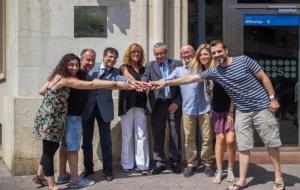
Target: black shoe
<point x="189" y="171"/>
<point x="200" y="168"/>
<point x="176" y="168"/>
<point x="109" y="176"/>
<point x="209" y="172"/>
<point x="85" y="173"/>
<point x="157" y="170"/>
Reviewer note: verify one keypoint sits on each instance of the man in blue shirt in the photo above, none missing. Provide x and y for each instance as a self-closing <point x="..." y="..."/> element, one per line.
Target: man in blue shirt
<point x="254" y="98"/>
<point x="195" y="108"/>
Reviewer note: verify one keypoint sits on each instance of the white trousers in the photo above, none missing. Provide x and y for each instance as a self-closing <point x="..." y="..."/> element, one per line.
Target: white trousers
<point x="135" y="140"/>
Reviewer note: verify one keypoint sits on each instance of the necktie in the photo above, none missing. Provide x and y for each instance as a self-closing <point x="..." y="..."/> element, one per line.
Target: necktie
<point x="102" y="73"/>
<point x="164" y="74"/>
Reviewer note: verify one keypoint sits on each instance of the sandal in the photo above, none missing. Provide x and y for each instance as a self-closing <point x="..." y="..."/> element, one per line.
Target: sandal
<point x="236" y="187"/>
<point x="279" y="186"/>
<point x="218" y="177"/>
<point x="230" y="175"/>
<point x="39" y="180"/>
<point x="56" y="188"/>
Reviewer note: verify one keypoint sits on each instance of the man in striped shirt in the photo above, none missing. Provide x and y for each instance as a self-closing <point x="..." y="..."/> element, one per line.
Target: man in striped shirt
<point x="253" y="95"/>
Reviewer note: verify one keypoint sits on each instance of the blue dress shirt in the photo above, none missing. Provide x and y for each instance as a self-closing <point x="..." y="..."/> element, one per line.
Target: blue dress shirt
<point x="164" y="93"/>
<point x="193" y="98"/>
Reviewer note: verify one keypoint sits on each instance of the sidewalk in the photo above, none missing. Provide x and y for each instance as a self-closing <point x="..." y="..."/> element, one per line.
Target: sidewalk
<point x="260" y="178"/>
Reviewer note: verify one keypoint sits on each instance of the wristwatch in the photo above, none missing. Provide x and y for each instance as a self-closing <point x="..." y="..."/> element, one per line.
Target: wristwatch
<point x="272" y="97"/>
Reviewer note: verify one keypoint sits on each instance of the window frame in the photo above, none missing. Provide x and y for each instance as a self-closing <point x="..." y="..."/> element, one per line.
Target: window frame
<point x="2" y="33"/>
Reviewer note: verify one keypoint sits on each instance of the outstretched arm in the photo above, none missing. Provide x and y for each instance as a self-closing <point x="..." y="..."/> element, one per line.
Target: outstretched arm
<point x="178" y="81"/>
<point x="94" y="84"/>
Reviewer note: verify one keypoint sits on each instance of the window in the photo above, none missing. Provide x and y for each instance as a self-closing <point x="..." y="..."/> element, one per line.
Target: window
<point x="2" y="39"/>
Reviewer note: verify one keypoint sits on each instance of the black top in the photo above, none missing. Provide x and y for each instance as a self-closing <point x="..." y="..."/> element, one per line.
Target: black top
<point x="78" y="98"/>
<point x="129" y="99"/>
<point x="220" y="101"/>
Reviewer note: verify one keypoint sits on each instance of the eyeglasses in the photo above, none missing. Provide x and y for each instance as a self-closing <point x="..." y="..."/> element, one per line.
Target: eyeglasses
<point x="187" y="53"/>
<point x="133" y="52"/>
<point x="159" y="54"/>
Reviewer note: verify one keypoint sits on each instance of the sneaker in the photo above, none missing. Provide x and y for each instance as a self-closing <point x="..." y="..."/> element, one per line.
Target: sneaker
<point x="81" y="182"/>
<point x="189" y="171"/>
<point x="64" y="178"/>
<point x="209" y="172"/>
<point x="145" y="172"/>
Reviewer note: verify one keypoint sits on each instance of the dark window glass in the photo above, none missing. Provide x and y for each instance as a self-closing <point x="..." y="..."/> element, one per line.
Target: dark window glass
<point x="192" y="21"/>
<point x="269" y="1"/>
<point x="278" y="55"/>
<point x="213" y="20"/>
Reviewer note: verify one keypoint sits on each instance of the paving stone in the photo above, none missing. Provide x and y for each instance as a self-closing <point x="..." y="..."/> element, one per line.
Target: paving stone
<point x="260" y="178"/>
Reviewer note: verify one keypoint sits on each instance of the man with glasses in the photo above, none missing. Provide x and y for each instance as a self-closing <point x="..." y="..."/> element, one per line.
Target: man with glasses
<point x="165" y="106"/>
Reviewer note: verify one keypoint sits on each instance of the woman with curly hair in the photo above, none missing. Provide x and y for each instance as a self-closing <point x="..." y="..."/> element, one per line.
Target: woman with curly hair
<point x="132" y="108"/>
<point x="50" y="118"/>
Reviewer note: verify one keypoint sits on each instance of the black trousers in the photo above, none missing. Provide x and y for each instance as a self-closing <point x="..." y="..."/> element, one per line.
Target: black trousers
<point x="49" y="149"/>
<point x="105" y="141"/>
<point x="159" y="117"/>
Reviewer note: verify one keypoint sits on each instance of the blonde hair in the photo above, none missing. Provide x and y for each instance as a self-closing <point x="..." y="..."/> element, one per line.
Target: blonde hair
<point x="127" y="57"/>
<point x="195" y="65"/>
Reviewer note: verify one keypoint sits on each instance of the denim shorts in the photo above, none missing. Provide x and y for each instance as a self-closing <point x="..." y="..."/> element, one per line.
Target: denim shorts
<point x="72" y="134"/>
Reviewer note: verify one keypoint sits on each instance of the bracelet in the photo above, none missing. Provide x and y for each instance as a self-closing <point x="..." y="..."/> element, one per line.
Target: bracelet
<point x="115" y="83"/>
<point x="166" y="83"/>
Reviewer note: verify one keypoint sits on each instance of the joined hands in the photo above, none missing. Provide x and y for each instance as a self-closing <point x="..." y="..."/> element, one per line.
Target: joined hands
<point x="141" y="86"/>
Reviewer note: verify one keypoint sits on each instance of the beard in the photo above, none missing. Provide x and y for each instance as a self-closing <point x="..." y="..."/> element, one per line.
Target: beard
<point x="220" y="60"/>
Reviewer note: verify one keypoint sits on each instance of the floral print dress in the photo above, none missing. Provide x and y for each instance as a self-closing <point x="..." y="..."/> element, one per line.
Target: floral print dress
<point x="50" y="119"/>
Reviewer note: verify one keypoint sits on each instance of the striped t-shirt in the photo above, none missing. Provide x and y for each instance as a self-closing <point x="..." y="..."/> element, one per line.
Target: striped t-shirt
<point x="239" y="81"/>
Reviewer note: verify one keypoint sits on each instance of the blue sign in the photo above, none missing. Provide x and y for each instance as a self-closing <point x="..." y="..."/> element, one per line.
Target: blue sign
<point x="271" y="20"/>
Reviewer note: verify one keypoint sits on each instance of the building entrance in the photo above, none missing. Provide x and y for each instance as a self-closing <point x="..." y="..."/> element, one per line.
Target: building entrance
<point x="269" y="33"/>
<point x="273" y="40"/>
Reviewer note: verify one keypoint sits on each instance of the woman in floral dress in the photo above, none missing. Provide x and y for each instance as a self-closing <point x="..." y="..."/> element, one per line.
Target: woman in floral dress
<point x="50" y="118"/>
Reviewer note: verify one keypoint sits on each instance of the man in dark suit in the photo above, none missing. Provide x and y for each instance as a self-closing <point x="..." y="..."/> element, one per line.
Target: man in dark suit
<point x="165" y="106"/>
<point x="100" y="106"/>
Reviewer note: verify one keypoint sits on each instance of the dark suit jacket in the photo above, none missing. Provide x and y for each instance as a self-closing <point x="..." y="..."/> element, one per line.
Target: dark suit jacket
<point x="152" y="73"/>
<point x="102" y="97"/>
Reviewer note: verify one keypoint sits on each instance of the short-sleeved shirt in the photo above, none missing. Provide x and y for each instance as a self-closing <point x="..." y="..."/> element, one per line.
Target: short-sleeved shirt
<point x="78" y="98"/>
<point x="239" y="81"/>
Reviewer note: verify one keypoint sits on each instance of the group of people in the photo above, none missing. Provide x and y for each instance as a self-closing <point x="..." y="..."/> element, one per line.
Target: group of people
<point x="212" y="93"/>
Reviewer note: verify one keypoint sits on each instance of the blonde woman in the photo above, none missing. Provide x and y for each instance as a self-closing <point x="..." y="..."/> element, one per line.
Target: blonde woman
<point x="222" y="111"/>
<point x="132" y="108"/>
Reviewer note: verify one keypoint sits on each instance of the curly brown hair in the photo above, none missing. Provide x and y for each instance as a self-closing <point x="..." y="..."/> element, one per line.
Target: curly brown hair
<point x="62" y="66"/>
<point x="127" y="57"/>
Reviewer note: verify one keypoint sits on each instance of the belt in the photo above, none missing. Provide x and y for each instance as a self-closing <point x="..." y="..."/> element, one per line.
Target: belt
<point x="164" y="100"/>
